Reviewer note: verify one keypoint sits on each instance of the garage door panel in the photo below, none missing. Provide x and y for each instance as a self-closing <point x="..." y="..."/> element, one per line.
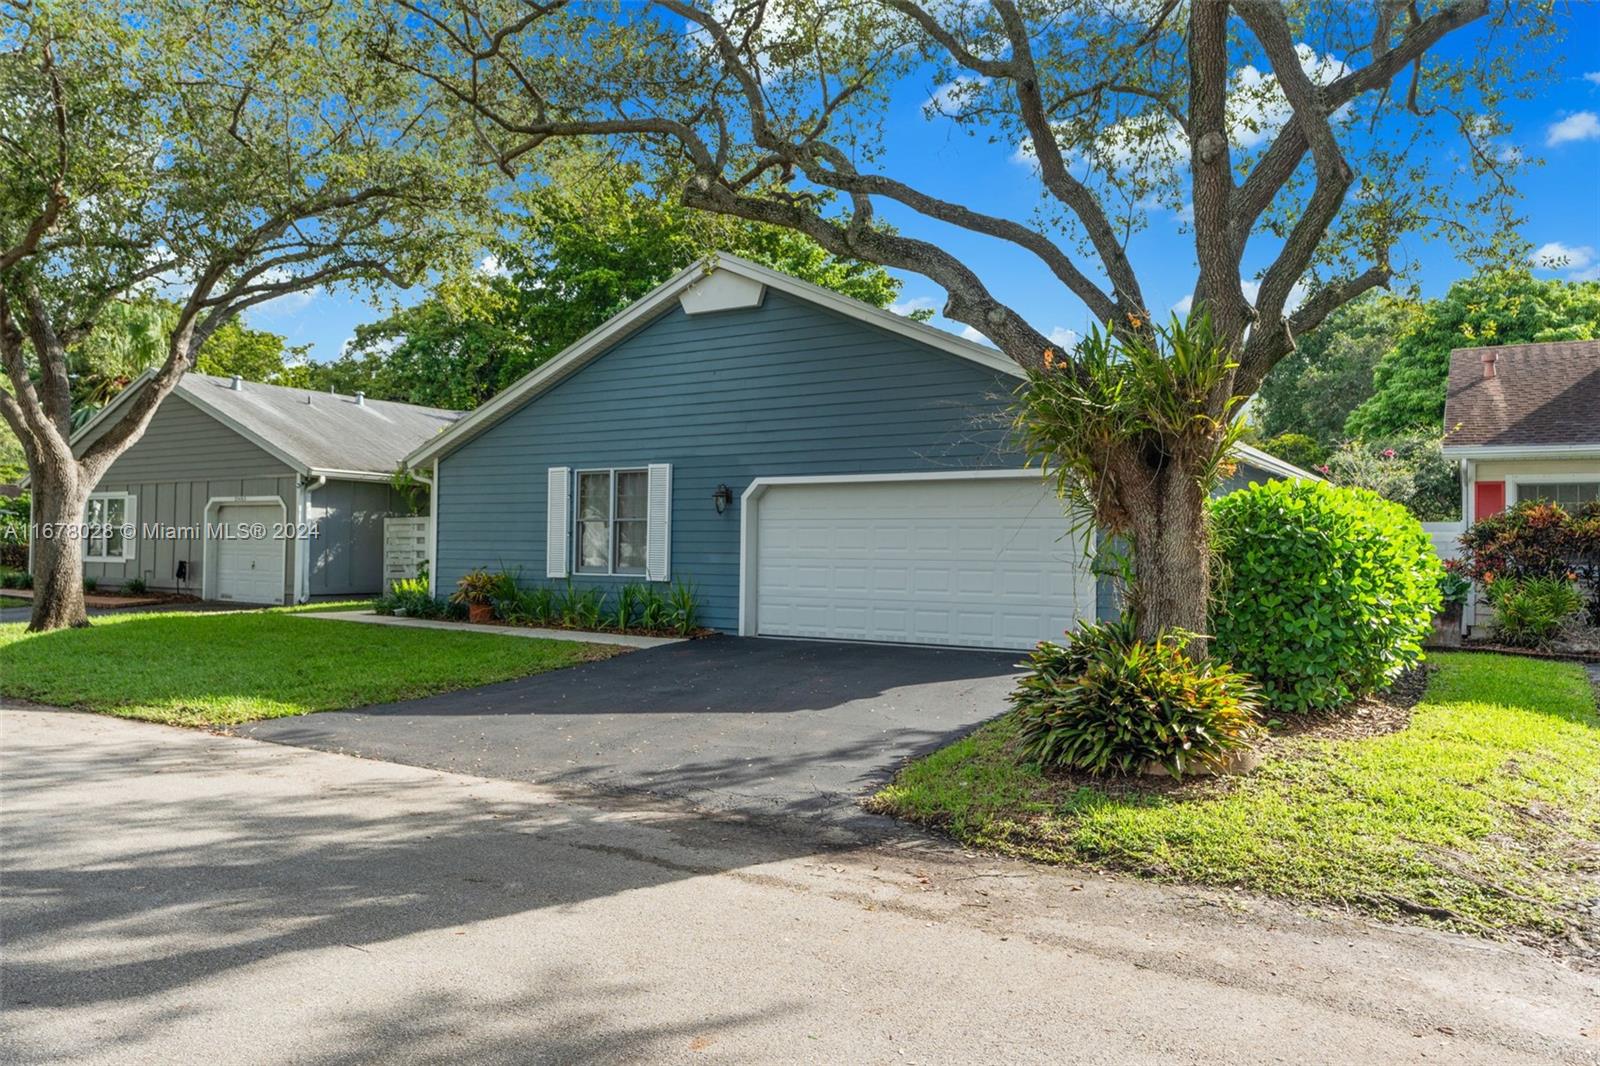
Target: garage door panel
<point x="980" y="562"/>
<point x="249" y="559"/>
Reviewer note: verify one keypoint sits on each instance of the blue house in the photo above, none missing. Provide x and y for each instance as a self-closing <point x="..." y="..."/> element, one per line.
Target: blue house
<point x="815" y="466"/>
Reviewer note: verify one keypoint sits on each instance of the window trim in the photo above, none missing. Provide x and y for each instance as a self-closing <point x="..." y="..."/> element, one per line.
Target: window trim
<point x="1514" y="483"/>
<point x="130" y="518"/>
<point x="611" y="472"/>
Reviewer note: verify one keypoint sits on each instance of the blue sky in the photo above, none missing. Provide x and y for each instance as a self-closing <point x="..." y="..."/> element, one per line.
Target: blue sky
<point x="1560" y="199"/>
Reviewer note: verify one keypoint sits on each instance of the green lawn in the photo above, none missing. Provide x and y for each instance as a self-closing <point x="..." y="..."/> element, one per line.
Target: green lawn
<point x="1483" y="814"/>
<point x="221" y="669"/>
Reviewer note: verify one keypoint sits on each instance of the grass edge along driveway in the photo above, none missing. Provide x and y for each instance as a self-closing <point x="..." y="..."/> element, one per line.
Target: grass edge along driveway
<point x="222" y="669"/>
<point x="1482" y="815"/>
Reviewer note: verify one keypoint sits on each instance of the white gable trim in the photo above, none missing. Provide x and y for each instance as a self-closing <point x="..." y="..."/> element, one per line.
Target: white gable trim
<point x="646" y="308"/>
<point x="1244" y="453"/>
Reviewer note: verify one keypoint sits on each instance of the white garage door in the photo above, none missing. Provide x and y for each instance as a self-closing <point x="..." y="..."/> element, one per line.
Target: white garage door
<point x="972" y="562"/>
<point x="249" y="566"/>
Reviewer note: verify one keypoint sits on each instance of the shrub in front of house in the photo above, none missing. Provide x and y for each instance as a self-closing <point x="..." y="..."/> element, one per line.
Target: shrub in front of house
<point x="409" y="598"/>
<point x="1108" y="703"/>
<point x="1538" y="539"/>
<point x="634" y="607"/>
<point x="1532" y="612"/>
<point x="1322" y="594"/>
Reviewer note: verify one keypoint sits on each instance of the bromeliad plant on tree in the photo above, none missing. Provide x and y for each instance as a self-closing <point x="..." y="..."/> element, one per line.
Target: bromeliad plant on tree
<point x="1125" y="428"/>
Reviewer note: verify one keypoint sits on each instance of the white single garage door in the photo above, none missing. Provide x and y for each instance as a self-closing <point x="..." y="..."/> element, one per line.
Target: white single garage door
<point x="249" y="566"/>
<point x="976" y="562"/>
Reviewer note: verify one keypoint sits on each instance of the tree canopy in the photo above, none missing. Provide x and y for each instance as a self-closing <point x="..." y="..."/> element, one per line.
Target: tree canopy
<point x="229" y="156"/>
<point x="1329" y="374"/>
<point x="1503" y="307"/>
<point x="591" y="238"/>
<point x="1303" y="142"/>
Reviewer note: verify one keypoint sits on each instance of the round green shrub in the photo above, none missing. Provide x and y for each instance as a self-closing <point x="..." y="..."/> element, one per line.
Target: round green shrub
<point x="1106" y="702"/>
<point x="1322" y="594"/>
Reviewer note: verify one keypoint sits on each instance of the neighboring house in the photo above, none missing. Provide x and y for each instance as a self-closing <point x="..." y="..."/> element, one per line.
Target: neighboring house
<point x="814" y="466"/>
<point x="230" y="472"/>
<point x="1524" y="421"/>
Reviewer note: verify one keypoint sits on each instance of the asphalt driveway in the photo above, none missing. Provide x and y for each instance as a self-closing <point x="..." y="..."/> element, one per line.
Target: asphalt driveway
<point x="792" y="730"/>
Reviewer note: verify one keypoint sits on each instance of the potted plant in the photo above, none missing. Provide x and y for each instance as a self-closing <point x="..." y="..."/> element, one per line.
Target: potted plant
<point x="1454" y="588"/>
<point x="476" y="589"/>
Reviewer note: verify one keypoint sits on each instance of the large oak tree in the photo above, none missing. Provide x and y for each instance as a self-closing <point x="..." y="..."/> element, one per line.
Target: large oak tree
<point x="1306" y="139"/>
<point x="220" y="155"/>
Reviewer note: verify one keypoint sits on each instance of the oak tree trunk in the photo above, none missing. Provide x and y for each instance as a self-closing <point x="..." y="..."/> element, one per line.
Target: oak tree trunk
<point x="1166" y="518"/>
<point x="58" y="505"/>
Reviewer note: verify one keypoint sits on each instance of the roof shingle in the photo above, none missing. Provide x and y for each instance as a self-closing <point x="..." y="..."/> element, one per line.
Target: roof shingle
<point x="321" y="430"/>
<point x="1542" y="393"/>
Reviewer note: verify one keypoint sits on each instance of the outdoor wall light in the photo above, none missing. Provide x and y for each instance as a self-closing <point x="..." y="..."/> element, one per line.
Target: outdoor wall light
<point x="723" y="498"/>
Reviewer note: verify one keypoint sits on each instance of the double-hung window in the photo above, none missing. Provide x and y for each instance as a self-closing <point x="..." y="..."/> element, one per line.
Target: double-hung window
<point x="612" y="521"/>
<point x="107" y="521"/>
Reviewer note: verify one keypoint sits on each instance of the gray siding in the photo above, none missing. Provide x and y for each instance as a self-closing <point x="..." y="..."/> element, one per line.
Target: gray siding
<point x="184" y="459"/>
<point x="784" y="389"/>
<point x="346" y="556"/>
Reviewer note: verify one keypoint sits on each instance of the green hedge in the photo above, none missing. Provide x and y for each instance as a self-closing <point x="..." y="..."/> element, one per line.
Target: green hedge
<point x="1323" y="594"/>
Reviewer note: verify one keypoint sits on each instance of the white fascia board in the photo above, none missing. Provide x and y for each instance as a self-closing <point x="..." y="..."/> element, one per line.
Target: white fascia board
<point x="1271" y="463"/>
<point x="1522" y="451"/>
<point x="334" y="474"/>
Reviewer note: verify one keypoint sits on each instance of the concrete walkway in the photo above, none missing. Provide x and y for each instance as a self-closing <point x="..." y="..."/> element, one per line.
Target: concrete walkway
<point x="625" y="640"/>
<point x="174" y="896"/>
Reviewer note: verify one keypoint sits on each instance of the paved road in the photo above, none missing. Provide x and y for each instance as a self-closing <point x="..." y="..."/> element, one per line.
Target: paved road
<point x="177" y="897"/>
<point x="791" y="730"/>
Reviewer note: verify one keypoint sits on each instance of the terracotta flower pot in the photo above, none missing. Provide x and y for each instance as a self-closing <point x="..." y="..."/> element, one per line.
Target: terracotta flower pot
<point x="480" y="612"/>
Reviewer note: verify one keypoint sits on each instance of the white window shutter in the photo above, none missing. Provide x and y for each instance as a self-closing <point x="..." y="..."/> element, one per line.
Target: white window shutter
<point x="658" y="539"/>
<point x="557" y="509"/>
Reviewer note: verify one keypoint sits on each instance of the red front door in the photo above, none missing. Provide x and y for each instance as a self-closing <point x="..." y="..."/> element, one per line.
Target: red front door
<point x="1488" y="498"/>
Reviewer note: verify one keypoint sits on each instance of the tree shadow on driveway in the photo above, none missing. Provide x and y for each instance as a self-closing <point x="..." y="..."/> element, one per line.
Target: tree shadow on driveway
<point x="139" y="873"/>
<point x="776" y="729"/>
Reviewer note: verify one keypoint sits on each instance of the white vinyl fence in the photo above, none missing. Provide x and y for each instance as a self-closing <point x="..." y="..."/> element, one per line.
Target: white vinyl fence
<point x="1445" y="537"/>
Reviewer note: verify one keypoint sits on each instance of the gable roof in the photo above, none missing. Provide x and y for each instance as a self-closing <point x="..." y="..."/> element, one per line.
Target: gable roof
<point x="644" y="310"/>
<point x="681" y="286"/>
<point x="313" y="432"/>
<point x="1542" y="395"/>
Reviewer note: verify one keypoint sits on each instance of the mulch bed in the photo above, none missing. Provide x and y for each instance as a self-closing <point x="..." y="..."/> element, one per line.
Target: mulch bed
<point x="1571" y="655"/>
<point x="102" y="600"/>
<point x="1375" y="716"/>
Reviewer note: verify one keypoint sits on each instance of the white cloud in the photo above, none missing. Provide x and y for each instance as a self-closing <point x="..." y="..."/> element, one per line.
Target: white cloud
<point x="948" y="98"/>
<point x="1184" y="306"/>
<point x="1066" y="338"/>
<point x="971" y="334"/>
<point x="1578" y="126"/>
<point x="916" y="303"/>
<point x="1558" y="256"/>
<point x="1252" y="292"/>
<point x="1590" y="274"/>
<point x="1593" y="76"/>
<point x="491" y="266"/>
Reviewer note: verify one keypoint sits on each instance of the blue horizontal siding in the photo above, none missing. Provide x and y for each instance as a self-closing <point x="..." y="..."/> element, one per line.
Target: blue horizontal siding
<point x="781" y="390"/>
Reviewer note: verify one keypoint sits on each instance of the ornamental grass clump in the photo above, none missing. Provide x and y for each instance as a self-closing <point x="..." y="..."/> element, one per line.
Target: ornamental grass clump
<point x="1322" y="594"/>
<point x="1108" y="703"/>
